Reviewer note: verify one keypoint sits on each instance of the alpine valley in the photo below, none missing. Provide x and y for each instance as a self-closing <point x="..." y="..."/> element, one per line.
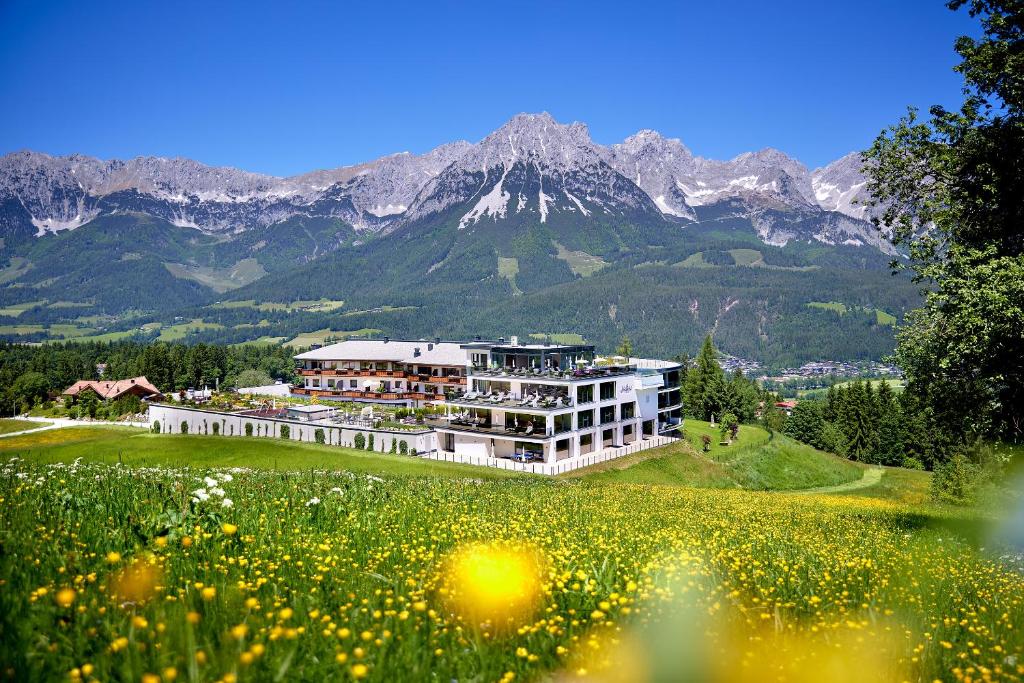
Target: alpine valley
<point x="535" y="229"/>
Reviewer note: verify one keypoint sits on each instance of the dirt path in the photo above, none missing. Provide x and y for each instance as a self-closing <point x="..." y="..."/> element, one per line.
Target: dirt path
<point x="872" y="476"/>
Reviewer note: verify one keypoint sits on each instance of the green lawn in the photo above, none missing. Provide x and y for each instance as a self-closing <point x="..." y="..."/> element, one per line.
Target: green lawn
<point x="757" y="460"/>
<point x="898" y="485"/>
<point x="580" y="262"/>
<point x="322" y="336"/>
<point x="179" y="331"/>
<point x="746" y="257"/>
<point x="140" y="448"/>
<point x="8" y="426"/>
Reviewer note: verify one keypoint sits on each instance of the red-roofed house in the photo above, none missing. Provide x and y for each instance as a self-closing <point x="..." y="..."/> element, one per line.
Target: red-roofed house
<point x="786" y="407"/>
<point x="110" y="390"/>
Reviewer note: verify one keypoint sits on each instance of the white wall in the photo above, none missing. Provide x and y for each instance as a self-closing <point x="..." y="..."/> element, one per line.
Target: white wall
<point x="201" y="422"/>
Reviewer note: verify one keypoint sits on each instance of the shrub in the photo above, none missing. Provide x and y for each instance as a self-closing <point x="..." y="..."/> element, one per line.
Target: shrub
<point x="394" y="446"/>
<point x="369" y="443"/>
<point x="156" y="427"/>
<point x="403" y="448"/>
<point x="286" y="432"/>
<point x="956" y="481"/>
<point x="912" y="463"/>
<point x="360" y="441"/>
<point x="248" y="428"/>
<point x="184" y="427"/>
<point x="318" y="436"/>
<point x="216" y="428"/>
<point x="413" y="451"/>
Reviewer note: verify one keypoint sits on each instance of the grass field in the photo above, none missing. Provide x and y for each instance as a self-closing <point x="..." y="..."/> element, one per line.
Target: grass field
<point x="162" y="573"/>
<point x="756" y="460"/>
<point x="322" y="336"/>
<point x="580" y="262"/>
<point x="8" y="426"/>
<point x="139" y="448"/>
<point x="508" y="268"/>
<point x="180" y="331"/>
<point x="220" y="279"/>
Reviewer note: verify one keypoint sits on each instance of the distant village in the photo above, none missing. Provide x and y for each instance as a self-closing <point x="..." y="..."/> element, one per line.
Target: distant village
<point x="815" y="370"/>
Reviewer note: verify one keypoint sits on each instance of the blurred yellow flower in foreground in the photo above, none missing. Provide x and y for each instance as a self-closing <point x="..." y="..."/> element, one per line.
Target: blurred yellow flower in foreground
<point x="229" y="529"/>
<point x="138" y="582"/>
<point x="493" y="582"/>
<point x="64" y="597"/>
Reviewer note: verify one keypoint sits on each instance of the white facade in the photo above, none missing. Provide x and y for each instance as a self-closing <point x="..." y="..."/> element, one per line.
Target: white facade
<point x="405" y="373"/>
<point x="553" y="403"/>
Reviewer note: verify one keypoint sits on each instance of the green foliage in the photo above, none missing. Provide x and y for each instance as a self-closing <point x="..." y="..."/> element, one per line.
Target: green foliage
<point x="369" y="442"/>
<point x="184" y="427"/>
<point x="155" y="427"/>
<point x="359" y="441"/>
<point x="248" y="428"/>
<point x="216" y="428"/>
<point x="251" y="377"/>
<point x="949" y="189"/>
<point x="403" y="447"/>
<point x="956" y="481"/>
<point x="625" y="347"/>
<point x="319" y="436"/>
<point x="28" y="389"/>
<point x="806" y="423"/>
<point x="286" y="432"/>
<point x="706" y="392"/>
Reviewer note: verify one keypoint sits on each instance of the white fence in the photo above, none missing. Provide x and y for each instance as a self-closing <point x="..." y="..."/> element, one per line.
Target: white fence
<point x="560" y="467"/>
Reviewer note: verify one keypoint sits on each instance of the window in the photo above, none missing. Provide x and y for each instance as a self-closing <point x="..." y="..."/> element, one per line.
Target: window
<point x="607" y="414"/>
<point x="586" y="443"/>
<point x="562" y="448"/>
<point x="585" y="394"/>
<point x="607" y="390"/>
<point x="608" y="437"/>
<point x="352" y="384"/>
<point x="628" y="410"/>
<point x="563" y="423"/>
<point x="585" y="419"/>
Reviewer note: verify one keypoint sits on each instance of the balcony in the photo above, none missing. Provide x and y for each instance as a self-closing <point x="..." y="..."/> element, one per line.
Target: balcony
<point x="578" y="375"/>
<point x="368" y="395"/>
<point x="510" y="402"/>
<point x="351" y="372"/>
<point x="438" y="379"/>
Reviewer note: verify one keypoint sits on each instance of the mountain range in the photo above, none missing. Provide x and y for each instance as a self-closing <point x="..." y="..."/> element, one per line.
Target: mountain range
<point x="535" y="205"/>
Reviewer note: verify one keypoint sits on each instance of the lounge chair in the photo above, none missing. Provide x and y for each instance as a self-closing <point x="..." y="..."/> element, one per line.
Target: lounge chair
<point x="529" y="430"/>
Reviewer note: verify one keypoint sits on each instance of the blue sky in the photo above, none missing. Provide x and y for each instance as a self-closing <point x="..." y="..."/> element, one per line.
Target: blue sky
<point x="284" y="88"/>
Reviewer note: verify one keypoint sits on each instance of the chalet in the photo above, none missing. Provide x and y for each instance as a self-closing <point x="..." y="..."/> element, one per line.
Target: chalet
<point x="111" y="390"/>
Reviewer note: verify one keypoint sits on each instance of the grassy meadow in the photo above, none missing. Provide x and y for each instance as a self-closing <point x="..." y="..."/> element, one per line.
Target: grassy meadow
<point x="8" y="426"/>
<point x="133" y="556"/>
<point x="756" y="460"/>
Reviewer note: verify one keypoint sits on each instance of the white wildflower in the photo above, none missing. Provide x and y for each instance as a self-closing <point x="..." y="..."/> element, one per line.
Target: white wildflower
<point x="210" y="482"/>
<point x="226" y="503"/>
<point x="200" y="495"/>
<point x="218" y="491"/>
<point x="226" y="477"/>
<point x="312" y="501"/>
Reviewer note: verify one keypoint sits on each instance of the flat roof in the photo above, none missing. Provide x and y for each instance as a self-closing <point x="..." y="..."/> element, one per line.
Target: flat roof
<point x="398" y="351"/>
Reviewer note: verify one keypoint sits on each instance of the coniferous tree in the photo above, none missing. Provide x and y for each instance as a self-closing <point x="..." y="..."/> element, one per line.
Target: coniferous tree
<point x="704" y="389"/>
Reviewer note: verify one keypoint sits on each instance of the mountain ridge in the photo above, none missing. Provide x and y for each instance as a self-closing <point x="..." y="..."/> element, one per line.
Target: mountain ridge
<point x="42" y="193"/>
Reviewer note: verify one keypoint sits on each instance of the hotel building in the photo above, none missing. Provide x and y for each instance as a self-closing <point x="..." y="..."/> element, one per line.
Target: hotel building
<point x="402" y="373"/>
<point x="552" y="402"/>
